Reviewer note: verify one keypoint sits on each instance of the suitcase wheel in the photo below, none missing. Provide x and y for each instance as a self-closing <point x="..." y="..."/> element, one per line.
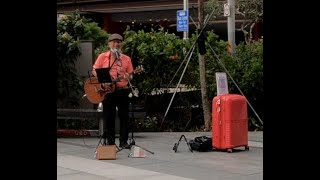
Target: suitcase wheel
<point x="229" y="150"/>
<point x="247" y="148"/>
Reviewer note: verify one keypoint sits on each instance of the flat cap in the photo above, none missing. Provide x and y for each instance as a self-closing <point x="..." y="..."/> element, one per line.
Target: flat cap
<point x="114" y="37"/>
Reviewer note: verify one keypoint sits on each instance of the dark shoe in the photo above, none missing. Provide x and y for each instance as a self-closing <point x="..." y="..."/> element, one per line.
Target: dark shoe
<point x="104" y="142"/>
<point x="111" y="142"/>
<point x="124" y="145"/>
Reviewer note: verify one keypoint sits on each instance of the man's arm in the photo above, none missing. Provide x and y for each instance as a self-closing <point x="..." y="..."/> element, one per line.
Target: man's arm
<point x="129" y="73"/>
<point x="94" y="73"/>
<point x="97" y="64"/>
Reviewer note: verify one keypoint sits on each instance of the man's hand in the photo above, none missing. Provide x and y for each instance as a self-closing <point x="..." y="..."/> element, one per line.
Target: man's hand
<point x="127" y="76"/>
<point x="106" y="87"/>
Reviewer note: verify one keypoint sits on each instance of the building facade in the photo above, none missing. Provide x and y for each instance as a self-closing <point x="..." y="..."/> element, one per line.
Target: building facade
<point x="115" y="16"/>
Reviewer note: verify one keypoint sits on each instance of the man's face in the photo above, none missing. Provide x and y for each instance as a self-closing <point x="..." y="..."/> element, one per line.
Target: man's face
<point x="115" y="44"/>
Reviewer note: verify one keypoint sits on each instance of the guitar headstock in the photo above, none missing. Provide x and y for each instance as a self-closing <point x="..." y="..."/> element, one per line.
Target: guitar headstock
<point x="138" y="69"/>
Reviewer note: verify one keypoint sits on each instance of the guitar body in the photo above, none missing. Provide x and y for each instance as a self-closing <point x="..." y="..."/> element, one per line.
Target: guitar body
<point x="93" y="90"/>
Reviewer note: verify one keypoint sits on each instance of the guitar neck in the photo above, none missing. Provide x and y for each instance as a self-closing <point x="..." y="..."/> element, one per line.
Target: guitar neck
<point x="137" y="70"/>
<point x="122" y="77"/>
<point x="133" y="72"/>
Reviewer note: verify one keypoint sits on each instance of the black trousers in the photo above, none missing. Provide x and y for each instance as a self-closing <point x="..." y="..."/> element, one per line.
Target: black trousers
<point x="118" y="99"/>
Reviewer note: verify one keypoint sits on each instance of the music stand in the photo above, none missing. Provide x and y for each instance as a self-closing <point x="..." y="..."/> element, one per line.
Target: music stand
<point x="103" y="75"/>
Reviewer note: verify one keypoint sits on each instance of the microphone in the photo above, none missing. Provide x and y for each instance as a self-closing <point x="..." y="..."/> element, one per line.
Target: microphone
<point x="116" y="52"/>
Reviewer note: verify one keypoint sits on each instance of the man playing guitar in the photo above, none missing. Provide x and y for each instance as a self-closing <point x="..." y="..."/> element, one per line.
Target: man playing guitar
<point x="120" y="65"/>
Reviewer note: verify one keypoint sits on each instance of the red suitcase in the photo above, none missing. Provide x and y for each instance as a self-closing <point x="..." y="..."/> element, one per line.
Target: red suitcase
<point x="230" y="122"/>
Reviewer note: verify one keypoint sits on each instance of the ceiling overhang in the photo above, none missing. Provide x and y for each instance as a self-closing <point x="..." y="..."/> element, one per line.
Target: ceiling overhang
<point x="108" y="7"/>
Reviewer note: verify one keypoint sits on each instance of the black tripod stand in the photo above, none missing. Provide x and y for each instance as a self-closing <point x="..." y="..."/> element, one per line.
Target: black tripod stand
<point x="131" y="139"/>
<point x="176" y="145"/>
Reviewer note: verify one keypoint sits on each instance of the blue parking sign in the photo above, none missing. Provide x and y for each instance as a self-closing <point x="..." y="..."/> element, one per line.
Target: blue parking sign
<point x="182" y="21"/>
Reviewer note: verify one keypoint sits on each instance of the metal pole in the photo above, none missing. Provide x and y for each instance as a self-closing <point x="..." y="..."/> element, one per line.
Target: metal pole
<point x="231" y="27"/>
<point x="186" y="8"/>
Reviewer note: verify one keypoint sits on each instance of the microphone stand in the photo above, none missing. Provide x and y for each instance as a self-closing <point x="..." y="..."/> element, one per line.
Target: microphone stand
<point x="131" y="140"/>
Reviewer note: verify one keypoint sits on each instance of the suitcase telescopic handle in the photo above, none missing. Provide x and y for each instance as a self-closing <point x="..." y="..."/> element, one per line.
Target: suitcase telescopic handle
<point x="218" y="107"/>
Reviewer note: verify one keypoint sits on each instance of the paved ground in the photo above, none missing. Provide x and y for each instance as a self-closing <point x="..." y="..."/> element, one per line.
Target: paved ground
<point x="75" y="160"/>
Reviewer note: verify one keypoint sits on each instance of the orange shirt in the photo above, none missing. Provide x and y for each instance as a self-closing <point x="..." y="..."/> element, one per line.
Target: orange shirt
<point x="118" y="68"/>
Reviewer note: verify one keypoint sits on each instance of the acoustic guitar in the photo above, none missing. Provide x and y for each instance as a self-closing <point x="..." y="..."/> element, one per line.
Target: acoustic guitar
<point x="95" y="91"/>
